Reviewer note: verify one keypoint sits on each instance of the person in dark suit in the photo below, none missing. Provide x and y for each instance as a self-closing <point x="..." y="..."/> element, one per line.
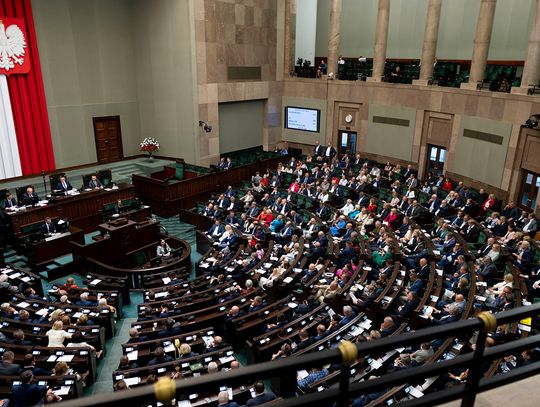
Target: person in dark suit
<point x="29" y="197"/>
<point x="261" y="396"/>
<point x="487" y="270"/>
<point x="305" y="340"/>
<point x="318" y="150"/>
<point x="48" y="227"/>
<point x="94" y="182"/>
<point x="63" y="185"/>
<point x="134" y="336"/>
<point x="160" y="357"/>
<point x="18" y="338"/>
<point x="7" y="366"/>
<point x="223" y="400"/>
<point x="84" y="301"/>
<point x="330" y="152"/>
<point x="216" y="230"/>
<point x="170" y="329"/>
<point x="410" y="305"/>
<point x="9" y="202"/>
<point x="28" y="393"/>
<point x="30" y="364"/>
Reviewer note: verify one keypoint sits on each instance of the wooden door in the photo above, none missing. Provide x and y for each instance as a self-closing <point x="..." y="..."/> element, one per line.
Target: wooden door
<point x="108" y="139"/>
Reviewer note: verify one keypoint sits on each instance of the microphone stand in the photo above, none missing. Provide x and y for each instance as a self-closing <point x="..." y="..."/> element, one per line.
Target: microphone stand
<point x="44" y="182"/>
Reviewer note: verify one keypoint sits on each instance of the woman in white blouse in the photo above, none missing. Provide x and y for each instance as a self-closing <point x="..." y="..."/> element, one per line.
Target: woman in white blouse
<point x="57" y="335"/>
<point x="395" y="199"/>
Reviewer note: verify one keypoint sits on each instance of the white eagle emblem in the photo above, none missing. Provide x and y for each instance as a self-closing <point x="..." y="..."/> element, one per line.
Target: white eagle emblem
<point x="12" y="46"/>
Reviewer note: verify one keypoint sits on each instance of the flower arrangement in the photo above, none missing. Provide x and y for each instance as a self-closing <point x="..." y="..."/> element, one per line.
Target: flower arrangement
<point x="149" y="145"/>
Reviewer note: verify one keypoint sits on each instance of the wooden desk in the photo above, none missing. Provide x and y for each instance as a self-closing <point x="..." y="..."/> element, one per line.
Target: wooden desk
<point x="101" y="257"/>
<point x="83" y="210"/>
<point x="52" y="247"/>
<point x="167" y="198"/>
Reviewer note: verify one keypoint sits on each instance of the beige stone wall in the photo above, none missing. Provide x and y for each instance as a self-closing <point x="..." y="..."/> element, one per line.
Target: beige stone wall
<point x="434" y="106"/>
<point x="232" y="33"/>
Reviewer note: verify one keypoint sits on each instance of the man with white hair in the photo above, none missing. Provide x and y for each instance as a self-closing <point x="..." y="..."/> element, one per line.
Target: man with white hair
<point x="213" y="367"/>
<point x="223" y="400"/>
<point x="84" y="301"/>
<point x="6" y="289"/>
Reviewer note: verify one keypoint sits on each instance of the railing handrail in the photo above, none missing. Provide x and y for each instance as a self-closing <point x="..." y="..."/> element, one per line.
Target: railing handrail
<point x="168" y="389"/>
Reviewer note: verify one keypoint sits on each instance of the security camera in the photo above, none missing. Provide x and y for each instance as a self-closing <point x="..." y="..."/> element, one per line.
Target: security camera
<point x="206" y="127"/>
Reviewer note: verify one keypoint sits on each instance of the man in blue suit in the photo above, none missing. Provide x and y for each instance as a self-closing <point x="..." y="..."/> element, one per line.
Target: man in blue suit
<point x="216" y="230"/>
<point x="28" y="393"/>
<point x="63" y="185"/>
<point x="286" y="233"/>
<point x="84" y="301"/>
<point x="261" y="396"/>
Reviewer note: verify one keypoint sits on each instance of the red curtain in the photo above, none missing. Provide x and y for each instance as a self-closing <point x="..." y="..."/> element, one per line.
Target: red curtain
<point x="28" y="99"/>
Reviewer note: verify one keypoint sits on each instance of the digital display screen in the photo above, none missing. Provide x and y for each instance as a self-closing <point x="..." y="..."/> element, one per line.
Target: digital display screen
<point x="303" y="119"/>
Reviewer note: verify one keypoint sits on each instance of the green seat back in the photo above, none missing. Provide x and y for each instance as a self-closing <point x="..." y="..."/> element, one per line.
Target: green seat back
<point x="140" y="258"/>
<point x="179" y="170"/>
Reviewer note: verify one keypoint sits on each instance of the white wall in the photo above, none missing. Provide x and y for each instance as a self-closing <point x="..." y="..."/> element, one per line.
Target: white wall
<point x="306" y="29"/>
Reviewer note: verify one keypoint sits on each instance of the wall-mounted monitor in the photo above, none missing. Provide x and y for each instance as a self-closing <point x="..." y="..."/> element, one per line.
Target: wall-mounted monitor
<point x="302" y="118"/>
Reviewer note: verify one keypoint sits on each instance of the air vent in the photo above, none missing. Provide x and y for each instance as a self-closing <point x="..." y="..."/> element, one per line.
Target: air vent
<point x="479" y="135"/>
<point x="391" y="120"/>
<point x="243" y="73"/>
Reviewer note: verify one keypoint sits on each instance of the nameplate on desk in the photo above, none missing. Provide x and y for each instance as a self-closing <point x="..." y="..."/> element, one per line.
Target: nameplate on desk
<point x="57" y="236"/>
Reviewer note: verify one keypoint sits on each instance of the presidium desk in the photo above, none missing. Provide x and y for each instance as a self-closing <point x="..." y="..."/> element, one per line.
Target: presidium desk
<point x="83" y="211"/>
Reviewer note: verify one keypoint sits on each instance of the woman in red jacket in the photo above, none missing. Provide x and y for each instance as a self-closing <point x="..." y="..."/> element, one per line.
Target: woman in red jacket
<point x="447" y="185"/>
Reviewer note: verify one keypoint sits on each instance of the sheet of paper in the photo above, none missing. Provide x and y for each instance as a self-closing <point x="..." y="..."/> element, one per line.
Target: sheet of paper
<point x="226" y="359"/>
<point x="65" y="358"/>
<point x="133" y="355"/>
<point x="132" y="381"/>
<point x="62" y="391"/>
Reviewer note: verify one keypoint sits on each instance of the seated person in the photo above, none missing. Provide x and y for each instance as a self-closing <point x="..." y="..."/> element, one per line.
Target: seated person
<point x="261" y="396"/>
<point x="94" y="183"/>
<point x="8" y="365"/>
<point x="48" y="227"/>
<point x="28" y="393"/>
<point x="84" y="301"/>
<point x="120" y="207"/>
<point x="9" y="202"/>
<point x="163" y="249"/>
<point x="63" y="185"/>
<point x="29" y="197"/>
<point x="160" y="357"/>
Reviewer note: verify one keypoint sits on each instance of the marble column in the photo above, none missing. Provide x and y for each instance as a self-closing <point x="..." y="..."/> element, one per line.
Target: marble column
<point x="429" y="49"/>
<point x="290" y="36"/>
<point x="482" y="39"/>
<point x="381" y="40"/>
<point x="333" y="36"/>
<point x="531" y="70"/>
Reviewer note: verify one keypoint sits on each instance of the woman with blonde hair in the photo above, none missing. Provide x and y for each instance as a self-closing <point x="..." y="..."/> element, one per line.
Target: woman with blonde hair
<point x="57" y="335"/>
<point x="102" y="304"/>
<point x="62" y="369"/>
<point x="56" y="315"/>
<point x="185" y="351"/>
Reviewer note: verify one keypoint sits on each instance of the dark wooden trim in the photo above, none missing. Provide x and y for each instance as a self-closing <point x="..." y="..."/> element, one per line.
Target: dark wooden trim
<point x="166" y="199"/>
<point x="499" y="193"/>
